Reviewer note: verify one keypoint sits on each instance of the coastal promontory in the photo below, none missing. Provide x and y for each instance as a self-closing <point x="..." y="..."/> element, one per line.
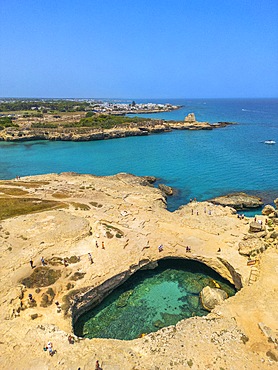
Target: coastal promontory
<point x="55" y="220"/>
<point x="87" y="120"/>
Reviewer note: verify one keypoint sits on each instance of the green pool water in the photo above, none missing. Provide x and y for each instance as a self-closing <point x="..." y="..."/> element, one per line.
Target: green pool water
<point x="150" y="300"/>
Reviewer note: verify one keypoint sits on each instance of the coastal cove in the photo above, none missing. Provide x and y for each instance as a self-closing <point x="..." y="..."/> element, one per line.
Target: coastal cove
<point x="199" y="164"/>
<point x="150" y="300"/>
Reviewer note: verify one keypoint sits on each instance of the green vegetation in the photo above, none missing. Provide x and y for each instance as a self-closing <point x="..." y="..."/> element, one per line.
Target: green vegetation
<point x="26" y="184"/>
<point x="60" y="195"/>
<point x="77" y="276"/>
<point x="44" y="106"/>
<point x="13" y="191"/>
<point x="47" y="298"/>
<point x="42" y="276"/>
<point x="55" y="261"/>
<point x="45" y="125"/>
<point x="95" y="204"/>
<point x="81" y="206"/>
<point x="118" y="233"/>
<point x="11" y="207"/>
<point x="32" y="115"/>
<point x="6" y="122"/>
<point x="104" y="121"/>
<point x="73" y="259"/>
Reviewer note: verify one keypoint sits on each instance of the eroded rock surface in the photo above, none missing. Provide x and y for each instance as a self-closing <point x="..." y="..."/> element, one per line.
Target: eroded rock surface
<point x="211" y="297"/>
<point x="121" y="222"/>
<point x="239" y="201"/>
<point x="268" y="209"/>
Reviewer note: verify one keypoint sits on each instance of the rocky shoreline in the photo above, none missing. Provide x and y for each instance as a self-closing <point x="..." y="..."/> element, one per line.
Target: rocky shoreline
<point x="91" y="134"/>
<point x="63" y="217"/>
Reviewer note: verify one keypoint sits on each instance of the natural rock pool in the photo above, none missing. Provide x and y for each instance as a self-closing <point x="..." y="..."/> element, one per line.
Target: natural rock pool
<point x="150" y="300"/>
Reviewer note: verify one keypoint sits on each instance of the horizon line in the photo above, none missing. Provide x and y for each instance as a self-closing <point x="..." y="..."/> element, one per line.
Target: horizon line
<point x="129" y="98"/>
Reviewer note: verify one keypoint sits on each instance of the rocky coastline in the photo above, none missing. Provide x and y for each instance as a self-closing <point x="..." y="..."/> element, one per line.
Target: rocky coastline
<point x="91" y="134"/>
<point x="238" y="201"/>
<point x="64" y="217"/>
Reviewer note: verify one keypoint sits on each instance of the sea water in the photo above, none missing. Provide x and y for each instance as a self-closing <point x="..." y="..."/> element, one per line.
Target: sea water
<point x="151" y="300"/>
<point x="198" y="164"/>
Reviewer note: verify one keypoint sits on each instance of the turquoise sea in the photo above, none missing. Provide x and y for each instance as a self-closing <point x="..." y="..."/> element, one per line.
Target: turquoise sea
<point x="199" y="164"/>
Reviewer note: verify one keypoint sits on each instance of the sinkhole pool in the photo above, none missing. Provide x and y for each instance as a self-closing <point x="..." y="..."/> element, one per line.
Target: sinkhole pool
<point x="150" y="300"/>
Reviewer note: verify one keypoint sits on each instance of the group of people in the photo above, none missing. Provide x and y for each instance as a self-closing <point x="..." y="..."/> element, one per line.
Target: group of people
<point x="51" y="351"/>
<point x="90" y="255"/>
<point x="102" y="244"/>
<point x="188" y="249"/>
<point x="197" y="212"/>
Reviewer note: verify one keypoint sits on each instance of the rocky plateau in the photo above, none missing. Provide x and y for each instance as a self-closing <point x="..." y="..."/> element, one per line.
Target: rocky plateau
<point x="121" y="222"/>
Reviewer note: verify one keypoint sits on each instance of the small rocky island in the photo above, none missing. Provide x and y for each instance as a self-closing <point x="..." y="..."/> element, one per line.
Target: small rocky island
<point x="49" y="224"/>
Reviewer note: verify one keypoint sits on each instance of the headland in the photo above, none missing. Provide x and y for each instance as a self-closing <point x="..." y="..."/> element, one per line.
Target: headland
<point x="94" y="125"/>
<point x="61" y="217"/>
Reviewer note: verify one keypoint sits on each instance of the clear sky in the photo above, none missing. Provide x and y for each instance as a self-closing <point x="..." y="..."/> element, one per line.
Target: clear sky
<point x="139" y="48"/>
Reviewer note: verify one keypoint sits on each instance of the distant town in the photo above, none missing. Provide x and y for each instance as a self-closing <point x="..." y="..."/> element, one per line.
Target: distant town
<point x="34" y="107"/>
<point x="24" y="114"/>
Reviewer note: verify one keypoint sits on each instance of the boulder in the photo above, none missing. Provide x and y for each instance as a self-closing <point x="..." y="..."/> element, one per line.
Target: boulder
<point x="239" y="201"/>
<point x="276" y="203"/>
<point x="255" y="227"/>
<point x="268" y="209"/>
<point x="211" y="297"/>
<point x="167" y="190"/>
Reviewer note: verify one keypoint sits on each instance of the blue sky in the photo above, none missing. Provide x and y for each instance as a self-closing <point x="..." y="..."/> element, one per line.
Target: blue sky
<point x="139" y="48"/>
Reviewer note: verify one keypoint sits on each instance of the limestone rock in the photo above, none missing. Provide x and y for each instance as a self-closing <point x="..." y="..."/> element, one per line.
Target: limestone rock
<point x="255" y="227"/>
<point x="250" y="246"/>
<point x="268" y="209"/>
<point x="268" y="332"/>
<point x="190" y="118"/>
<point x="150" y="179"/>
<point x="276" y="203"/>
<point x="166" y="189"/>
<point x="211" y="297"/>
<point x="238" y="201"/>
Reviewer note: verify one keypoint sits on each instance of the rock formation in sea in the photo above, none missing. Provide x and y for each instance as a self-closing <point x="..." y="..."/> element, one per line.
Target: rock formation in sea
<point x="238" y="201"/>
<point x="212" y="297"/>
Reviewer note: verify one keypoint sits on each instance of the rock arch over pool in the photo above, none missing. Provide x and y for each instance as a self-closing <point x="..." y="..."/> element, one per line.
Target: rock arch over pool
<point x="149" y="300"/>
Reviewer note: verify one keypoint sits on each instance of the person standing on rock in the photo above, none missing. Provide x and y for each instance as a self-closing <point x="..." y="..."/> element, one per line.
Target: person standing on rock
<point x="31" y="263"/>
<point x="102" y="245"/>
<point x="43" y="261"/>
<point x="50" y="349"/>
<point x="90" y="258"/>
<point x="97" y="366"/>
